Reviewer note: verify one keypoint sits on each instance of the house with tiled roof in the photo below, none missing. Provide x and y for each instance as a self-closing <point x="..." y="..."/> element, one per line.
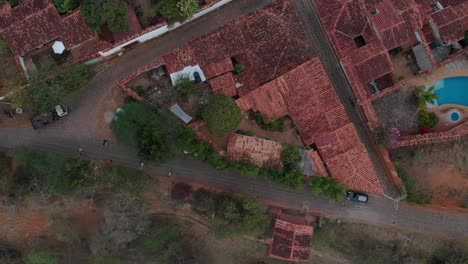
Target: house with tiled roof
<point x="267" y="153"/>
<point x="36" y="23"/>
<point x="291" y="241"/>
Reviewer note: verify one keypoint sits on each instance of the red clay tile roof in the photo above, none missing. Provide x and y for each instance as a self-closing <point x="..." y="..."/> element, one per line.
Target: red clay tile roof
<point x="452" y="22"/>
<point x="269" y="42"/>
<point x="34" y="23"/>
<point x="392" y="28"/>
<point x="321" y="119"/>
<point x="224" y="84"/>
<point x="259" y="151"/>
<point x="215" y="69"/>
<point x="291" y="242"/>
<point x="75" y="30"/>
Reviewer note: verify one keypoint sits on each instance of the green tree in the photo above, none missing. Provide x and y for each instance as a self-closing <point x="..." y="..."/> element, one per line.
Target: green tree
<point x="188" y="8"/>
<point x="129" y="123"/>
<point x="66" y="6"/>
<point x="290" y="157"/>
<point x="328" y="187"/>
<point x="169" y="9"/>
<point x="255" y="220"/>
<point x="221" y="114"/>
<point x="246" y="167"/>
<point x="49" y="86"/>
<point x="110" y="13"/>
<point x="40" y="257"/>
<point x="152" y="142"/>
<point x="426" y="96"/>
<point x="427" y="119"/>
<point x="185" y="87"/>
<point x="14" y="3"/>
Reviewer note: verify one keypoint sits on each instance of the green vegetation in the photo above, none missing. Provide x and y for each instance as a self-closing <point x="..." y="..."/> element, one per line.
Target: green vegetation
<point x="239" y="68"/>
<point x="6" y="175"/>
<point x="426" y="96"/>
<point x="231" y="215"/>
<point x="188" y="8"/>
<point x="411" y="189"/>
<point x="110" y="13"/>
<point x="427" y="119"/>
<point x="164" y="243"/>
<point x="129" y="122"/>
<point x="49" y="86"/>
<point x="290" y="157"/>
<point x="152" y="142"/>
<point x="272" y="125"/>
<point x="326" y="186"/>
<point x="185" y="87"/>
<point x="66" y="6"/>
<point x="176" y="10"/>
<point x="14" y="3"/>
<point x="40" y="257"/>
<point x="221" y="115"/>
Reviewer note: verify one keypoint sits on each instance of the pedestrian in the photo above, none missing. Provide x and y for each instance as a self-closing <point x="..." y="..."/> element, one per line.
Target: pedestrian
<point x="169" y="174"/>
<point x="141" y="165"/>
<point x="80" y="150"/>
<point x="104" y="142"/>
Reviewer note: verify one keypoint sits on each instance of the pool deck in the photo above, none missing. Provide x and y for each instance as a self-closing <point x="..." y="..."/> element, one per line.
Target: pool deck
<point x="458" y="67"/>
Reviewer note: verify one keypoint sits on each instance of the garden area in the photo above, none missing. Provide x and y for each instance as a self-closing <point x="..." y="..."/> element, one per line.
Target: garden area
<point x="436" y="171"/>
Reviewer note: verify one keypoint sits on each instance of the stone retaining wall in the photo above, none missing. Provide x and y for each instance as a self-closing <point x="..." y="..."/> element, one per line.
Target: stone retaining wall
<point x="431" y="138"/>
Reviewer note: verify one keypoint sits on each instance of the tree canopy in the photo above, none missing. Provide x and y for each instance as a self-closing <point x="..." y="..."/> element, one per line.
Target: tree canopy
<point x="328" y="187"/>
<point x="110" y="13"/>
<point x="188" y="8"/>
<point x="66" y="6"/>
<point x="40" y="257"/>
<point x="290" y="157"/>
<point x="221" y="115"/>
<point x="176" y="10"/>
<point x="49" y="85"/>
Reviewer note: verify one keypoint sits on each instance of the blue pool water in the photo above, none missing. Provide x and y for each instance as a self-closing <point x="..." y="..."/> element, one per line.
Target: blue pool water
<point x="452" y="91"/>
<point x="454" y="116"/>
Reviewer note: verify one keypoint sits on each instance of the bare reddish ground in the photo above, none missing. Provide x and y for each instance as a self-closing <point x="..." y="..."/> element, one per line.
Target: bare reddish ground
<point x="21" y="227"/>
<point x="88" y="217"/>
<point x="114" y="100"/>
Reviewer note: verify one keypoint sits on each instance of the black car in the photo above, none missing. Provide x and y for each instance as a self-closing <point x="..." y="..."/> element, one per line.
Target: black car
<point x="39" y="121"/>
<point x="357" y="197"/>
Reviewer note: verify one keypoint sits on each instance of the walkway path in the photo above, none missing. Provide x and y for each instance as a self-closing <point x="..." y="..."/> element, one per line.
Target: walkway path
<point x="79" y="130"/>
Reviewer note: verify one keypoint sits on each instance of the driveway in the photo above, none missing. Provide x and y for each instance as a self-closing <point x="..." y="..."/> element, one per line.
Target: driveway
<point x="79" y="131"/>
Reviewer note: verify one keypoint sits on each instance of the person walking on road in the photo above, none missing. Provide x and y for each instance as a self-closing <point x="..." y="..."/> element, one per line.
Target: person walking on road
<point x="80" y="150"/>
<point x="104" y="142"/>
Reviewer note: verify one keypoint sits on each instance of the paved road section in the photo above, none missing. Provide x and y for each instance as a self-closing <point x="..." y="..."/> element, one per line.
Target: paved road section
<point x="79" y="131"/>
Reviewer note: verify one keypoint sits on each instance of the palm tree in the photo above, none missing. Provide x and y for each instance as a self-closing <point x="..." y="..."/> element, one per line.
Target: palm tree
<point x="426" y="96"/>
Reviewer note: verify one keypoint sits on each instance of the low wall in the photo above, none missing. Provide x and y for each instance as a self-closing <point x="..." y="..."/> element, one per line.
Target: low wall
<point x="161" y="29"/>
<point x="431" y="138"/>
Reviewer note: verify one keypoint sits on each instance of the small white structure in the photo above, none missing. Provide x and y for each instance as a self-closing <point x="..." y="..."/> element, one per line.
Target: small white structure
<point x="187" y="71"/>
<point x="176" y="110"/>
<point x="58" y="47"/>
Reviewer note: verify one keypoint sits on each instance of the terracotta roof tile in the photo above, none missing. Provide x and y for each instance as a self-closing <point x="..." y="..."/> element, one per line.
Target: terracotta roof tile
<point x="75" y="30"/>
<point x="290" y="241"/>
<point x="452" y="22"/>
<point x="224" y="84"/>
<point x="215" y="69"/>
<point x="259" y="151"/>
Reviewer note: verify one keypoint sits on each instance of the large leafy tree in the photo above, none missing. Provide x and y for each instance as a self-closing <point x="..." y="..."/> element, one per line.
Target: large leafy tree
<point x="129" y="123"/>
<point x="221" y="114"/>
<point x="328" y="187"/>
<point x="290" y="157"/>
<point x="188" y="8"/>
<point x="111" y="13"/>
<point x="426" y="95"/>
<point x="152" y="142"/>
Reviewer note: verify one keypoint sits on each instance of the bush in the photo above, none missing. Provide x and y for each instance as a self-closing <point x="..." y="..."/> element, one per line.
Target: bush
<point x="188" y="8"/>
<point x="40" y="257"/>
<point x="140" y="90"/>
<point x="290" y="157"/>
<point x="411" y="189"/>
<point x="3" y="47"/>
<point x="273" y="125"/>
<point x="221" y="115"/>
<point x="129" y="123"/>
<point x="239" y="68"/>
<point x="111" y="13"/>
<point x="291" y="178"/>
<point x="152" y="142"/>
<point x="246" y="167"/>
<point x="169" y="9"/>
<point x="326" y="186"/>
<point x="185" y="87"/>
<point x="231" y="215"/>
<point x="427" y="119"/>
<point x="66" y="6"/>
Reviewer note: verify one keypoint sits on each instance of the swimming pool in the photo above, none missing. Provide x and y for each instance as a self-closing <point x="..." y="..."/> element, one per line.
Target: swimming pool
<point x="452" y="90"/>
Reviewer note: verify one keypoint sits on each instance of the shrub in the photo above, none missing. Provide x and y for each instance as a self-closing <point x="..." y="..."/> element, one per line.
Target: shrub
<point x="66" y="6"/>
<point x="140" y="90"/>
<point x="290" y="157"/>
<point x="221" y="115"/>
<point x="169" y="9"/>
<point x="185" y="87"/>
<point x="152" y="143"/>
<point x="239" y="68"/>
<point x="3" y="47"/>
<point x="40" y="257"/>
<point x="291" y="178"/>
<point x="428" y="119"/>
<point x="328" y="187"/>
<point x="164" y="243"/>
<point x="188" y="8"/>
<point x="273" y="125"/>
<point x="411" y="189"/>
<point x="111" y="13"/>
<point x="246" y="167"/>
